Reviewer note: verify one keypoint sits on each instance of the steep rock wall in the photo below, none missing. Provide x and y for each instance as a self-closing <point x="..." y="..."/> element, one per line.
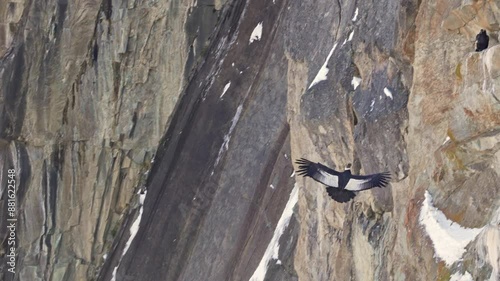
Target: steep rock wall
<point x="88" y="88"/>
<point x="426" y="110"/>
<point x="224" y="169"/>
<point x="338" y="123"/>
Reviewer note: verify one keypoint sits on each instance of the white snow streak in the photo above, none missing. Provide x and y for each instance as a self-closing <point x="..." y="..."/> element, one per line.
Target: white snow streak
<point x="135" y="227"/>
<point x="449" y="238"/>
<point x="446" y="139"/>
<point x="355" y="17"/>
<point x="273" y="247"/>
<point x="133" y="232"/>
<point x="256" y="33"/>
<point x="293" y="174"/>
<point x="227" y="137"/>
<point x="371" y="105"/>
<point x="350" y="36"/>
<point x="321" y="76"/>
<point x="388" y="93"/>
<point x="355" y="82"/>
<point x="142" y="197"/>
<point x="271" y="186"/>
<point x="225" y="89"/>
<point x="113" y="278"/>
<point x="459" y="277"/>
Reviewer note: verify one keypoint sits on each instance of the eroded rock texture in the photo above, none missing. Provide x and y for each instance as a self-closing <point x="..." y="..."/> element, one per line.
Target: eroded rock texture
<point x="88" y="88"/>
<point x="93" y="92"/>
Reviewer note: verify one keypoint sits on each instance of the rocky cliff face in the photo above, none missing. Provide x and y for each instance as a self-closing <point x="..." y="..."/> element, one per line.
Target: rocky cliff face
<point x="205" y="104"/>
<point x="88" y="88"/>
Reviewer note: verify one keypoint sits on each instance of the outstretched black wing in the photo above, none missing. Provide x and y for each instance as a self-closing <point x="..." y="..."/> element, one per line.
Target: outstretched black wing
<point x="318" y="172"/>
<point x="340" y="195"/>
<point x="358" y="183"/>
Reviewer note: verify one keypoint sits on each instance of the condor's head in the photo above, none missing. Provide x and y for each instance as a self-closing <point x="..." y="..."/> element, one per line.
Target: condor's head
<point x="348" y="167"/>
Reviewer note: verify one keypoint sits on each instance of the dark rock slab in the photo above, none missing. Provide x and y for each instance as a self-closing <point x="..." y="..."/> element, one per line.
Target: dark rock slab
<point x="222" y="173"/>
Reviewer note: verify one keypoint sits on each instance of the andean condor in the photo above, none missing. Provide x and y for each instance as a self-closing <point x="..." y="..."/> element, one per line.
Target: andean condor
<point x="482" y="40"/>
<point x="341" y="186"/>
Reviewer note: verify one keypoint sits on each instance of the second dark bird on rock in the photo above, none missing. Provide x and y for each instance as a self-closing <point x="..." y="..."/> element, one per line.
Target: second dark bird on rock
<point x="482" y="40"/>
<point x="341" y="186"/>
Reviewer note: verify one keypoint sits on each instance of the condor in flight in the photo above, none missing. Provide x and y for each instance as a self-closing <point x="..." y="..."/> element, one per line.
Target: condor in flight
<point x="341" y="186"/>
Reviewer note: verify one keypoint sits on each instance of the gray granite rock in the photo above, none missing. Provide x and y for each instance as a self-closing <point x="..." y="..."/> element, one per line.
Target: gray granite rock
<point x="102" y="99"/>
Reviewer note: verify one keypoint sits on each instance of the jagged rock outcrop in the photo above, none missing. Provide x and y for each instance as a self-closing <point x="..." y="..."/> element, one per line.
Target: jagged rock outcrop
<point x="223" y="96"/>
